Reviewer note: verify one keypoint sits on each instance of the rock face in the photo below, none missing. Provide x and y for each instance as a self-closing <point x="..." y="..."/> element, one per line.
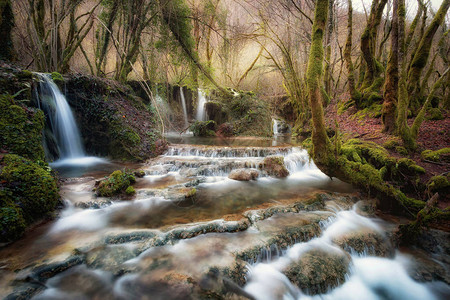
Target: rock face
<point x="365" y="241"/>
<point x="274" y="166"/>
<point x="318" y="270"/>
<point x="113" y="121"/>
<point x="244" y="174"/>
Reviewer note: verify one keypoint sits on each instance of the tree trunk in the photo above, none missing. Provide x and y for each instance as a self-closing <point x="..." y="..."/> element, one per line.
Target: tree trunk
<point x="6" y="25"/>
<point x="391" y="83"/>
<point x="322" y="147"/>
<point x="354" y="93"/>
<point x="423" y="52"/>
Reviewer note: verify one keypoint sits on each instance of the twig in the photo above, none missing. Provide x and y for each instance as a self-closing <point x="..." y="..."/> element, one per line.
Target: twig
<point x="434" y="162"/>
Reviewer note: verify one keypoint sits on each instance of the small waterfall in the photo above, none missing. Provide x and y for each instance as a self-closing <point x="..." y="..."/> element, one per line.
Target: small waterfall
<point x="61" y="117"/>
<point x="275" y="126"/>
<point x="183" y="103"/>
<point x="201" y="113"/>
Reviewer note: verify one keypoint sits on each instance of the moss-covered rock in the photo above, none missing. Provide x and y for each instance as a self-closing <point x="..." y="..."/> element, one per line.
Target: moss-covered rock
<point x="28" y="192"/>
<point x="317" y="270"/>
<point x="204" y="128"/>
<point x="274" y="166"/>
<point x="439" y="184"/>
<point x="21" y="129"/>
<point x="116" y="183"/>
<point x="438" y="155"/>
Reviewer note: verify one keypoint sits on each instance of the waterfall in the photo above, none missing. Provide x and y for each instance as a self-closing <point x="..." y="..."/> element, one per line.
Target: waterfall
<point x="61" y="118"/>
<point x="275" y="126"/>
<point x="201" y="113"/>
<point x="183" y="103"/>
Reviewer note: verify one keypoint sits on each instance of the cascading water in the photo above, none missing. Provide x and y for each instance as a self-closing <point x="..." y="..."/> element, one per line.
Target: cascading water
<point x="64" y="128"/>
<point x="275" y="126"/>
<point x="183" y="103"/>
<point x="201" y="113"/>
<point x="61" y="117"/>
<point x="188" y="220"/>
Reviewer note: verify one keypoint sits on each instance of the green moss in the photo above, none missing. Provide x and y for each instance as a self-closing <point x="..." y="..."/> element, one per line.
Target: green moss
<point x="391" y="144"/>
<point x="57" y="77"/>
<point x="204" y="128"/>
<point x="125" y="141"/>
<point x="29" y="186"/>
<point x="116" y="183"/>
<point x="435" y="114"/>
<point x="409" y="167"/>
<point x="21" y="129"/>
<point x="439" y="184"/>
<point x="130" y="190"/>
<point x="401" y="150"/>
<point x="25" y="74"/>
<point x="12" y="224"/>
<point x="438" y="155"/>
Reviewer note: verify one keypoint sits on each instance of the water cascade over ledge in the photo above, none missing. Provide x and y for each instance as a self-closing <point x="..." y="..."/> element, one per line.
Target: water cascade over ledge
<point x="183" y="103"/>
<point x="63" y="125"/>
<point x="191" y="231"/>
<point x="201" y="112"/>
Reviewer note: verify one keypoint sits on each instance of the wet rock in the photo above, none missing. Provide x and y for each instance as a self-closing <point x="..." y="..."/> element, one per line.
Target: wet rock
<point x="318" y="270"/>
<point x="315" y="203"/>
<point x="129" y="237"/>
<point x="365" y="242"/>
<point x="109" y="258"/>
<point x="45" y="272"/>
<point x="94" y="204"/>
<point x="283" y="127"/>
<point x="244" y="174"/>
<point x="26" y="291"/>
<point x="274" y="166"/>
<point x="427" y="268"/>
<point x="139" y="173"/>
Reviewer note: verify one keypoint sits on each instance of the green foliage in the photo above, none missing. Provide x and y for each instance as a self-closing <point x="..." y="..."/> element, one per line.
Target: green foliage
<point x="192" y="192"/>
<point x="204" y="128"/>
<point x="116" y="183"/>
<point x="28" y="186"/>
<point x="21" y="129"/>
<point x="12" y="224"/>
<point x="438" y="155"/>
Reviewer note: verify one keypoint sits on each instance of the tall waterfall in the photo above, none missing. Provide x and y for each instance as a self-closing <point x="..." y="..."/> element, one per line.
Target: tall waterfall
<point x="201" y="113"/>
<point x="183" y="103"/>
<point x="61" y="118"/>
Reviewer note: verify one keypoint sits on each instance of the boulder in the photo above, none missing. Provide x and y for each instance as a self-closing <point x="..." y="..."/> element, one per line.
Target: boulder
<point x="318" y="270"/>
<point x="274" y="166"/>
<point x="365" y="241"/>
<point x="244" y="174"/>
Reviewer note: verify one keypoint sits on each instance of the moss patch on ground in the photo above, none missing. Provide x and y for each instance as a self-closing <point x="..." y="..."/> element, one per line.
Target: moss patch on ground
<point x="436" y="156"/>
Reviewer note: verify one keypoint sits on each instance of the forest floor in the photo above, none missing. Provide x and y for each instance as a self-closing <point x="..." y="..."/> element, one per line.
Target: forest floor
<point x="433" y="135"/>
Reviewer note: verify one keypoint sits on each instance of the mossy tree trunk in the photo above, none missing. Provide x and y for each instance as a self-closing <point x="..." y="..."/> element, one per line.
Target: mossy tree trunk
<point x="330" y="26"/>
<point x="322" y="148"/>
<point x="368" y="47"/>
<point x="389" y="110"/>
<point x="422" y="53"/>
<point x="354" y="93"/>
<point x="6" y="26"/>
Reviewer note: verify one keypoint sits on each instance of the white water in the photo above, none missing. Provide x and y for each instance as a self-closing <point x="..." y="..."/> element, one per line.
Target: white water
<point x="275" y="126"/>
<point x="201" y="113"/>
<point x="369" y="277"/>
<point x="64" y="127"/>
<point x="183" y="103"/>
<point x="63" y="122"/>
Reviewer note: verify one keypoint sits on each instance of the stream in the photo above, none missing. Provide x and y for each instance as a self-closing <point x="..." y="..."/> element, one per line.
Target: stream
<point x="302" y="237"/>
